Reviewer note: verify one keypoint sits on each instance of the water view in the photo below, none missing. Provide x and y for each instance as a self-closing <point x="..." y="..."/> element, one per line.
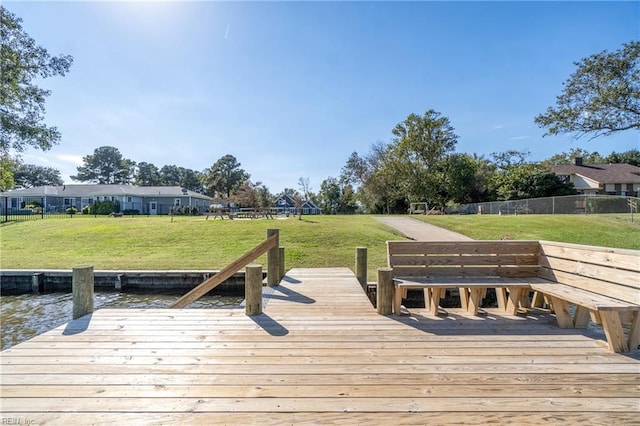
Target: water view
<point x="28" y="315"/>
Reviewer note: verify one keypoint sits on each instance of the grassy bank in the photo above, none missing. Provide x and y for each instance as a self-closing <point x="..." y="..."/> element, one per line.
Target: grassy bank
<point x="316" y="241"/>
<point x="598" y="230"/>
<point x="187" y="242"/>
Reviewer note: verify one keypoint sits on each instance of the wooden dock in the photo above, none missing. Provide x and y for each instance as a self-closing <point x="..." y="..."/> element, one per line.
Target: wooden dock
<point x="318" y="355"/>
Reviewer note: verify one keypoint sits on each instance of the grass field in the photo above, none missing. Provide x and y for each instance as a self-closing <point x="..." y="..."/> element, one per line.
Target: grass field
<point x="608" y="230"/>
<point x="155" y="242"/>
<point x="316" y="241"/>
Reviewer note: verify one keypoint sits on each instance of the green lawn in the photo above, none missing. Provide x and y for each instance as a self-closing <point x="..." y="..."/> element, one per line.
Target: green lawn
<point x="155" y="242"/>
<point x="192" y="243"/>
<point x="608" y="230"/>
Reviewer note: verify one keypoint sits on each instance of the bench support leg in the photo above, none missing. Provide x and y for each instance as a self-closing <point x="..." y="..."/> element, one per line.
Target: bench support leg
<point x="397" y="300"/>
<point x="561" y="309"/>
<point x="634" y="332"/>
<point x="473" y="303"/>
<point x="501" y="295"/>
<point x="538" y="300"/>
<point x="613" y="330"/>
<point x="513" y="301"/>
<point x="581" y="317"/>
<point x="464" y="297"/>
<point x="427" y="297"/>
<point x="436" y="294"/>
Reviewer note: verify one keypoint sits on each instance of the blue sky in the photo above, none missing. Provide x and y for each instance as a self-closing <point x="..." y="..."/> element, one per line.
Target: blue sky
<point x="291" y="89"/>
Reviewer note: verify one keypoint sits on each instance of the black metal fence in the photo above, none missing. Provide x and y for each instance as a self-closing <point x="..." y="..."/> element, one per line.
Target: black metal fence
<point x="31" y="208"/>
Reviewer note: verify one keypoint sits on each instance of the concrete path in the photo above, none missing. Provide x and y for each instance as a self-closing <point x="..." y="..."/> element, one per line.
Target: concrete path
<point x="420" y="231"/>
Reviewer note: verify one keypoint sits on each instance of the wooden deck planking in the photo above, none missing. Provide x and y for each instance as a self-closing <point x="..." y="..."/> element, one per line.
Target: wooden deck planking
<point x="318" y="354"/>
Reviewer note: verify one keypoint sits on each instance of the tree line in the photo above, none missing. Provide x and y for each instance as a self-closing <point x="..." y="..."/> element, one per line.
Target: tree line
<point x="418" y="165"/>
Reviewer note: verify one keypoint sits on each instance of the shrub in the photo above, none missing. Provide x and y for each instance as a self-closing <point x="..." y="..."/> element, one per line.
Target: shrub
<point x="35" y="206"/>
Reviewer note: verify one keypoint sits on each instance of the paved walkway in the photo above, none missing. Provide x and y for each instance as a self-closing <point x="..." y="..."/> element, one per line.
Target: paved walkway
<point x="420" y="231"/>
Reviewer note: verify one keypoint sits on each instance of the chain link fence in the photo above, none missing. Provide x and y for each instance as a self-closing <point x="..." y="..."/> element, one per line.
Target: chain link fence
<point x="570" y="204"/>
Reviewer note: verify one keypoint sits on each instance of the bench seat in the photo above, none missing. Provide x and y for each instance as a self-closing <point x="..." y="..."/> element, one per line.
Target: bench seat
<point x="588" y="305"/>
<point x="509" y="291"/>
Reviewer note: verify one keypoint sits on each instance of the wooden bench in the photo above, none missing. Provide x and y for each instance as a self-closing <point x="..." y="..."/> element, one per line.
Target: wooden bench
<point x="472" y="267"/>
<point x="602" y="283"/>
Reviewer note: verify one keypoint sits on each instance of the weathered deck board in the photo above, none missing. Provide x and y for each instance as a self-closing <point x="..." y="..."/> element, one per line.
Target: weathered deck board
<point x="319" y="354"/>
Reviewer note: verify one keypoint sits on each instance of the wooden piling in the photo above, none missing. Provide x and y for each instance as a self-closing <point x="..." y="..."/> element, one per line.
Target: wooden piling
<point x="253" y="290"/>
<point x="37" y="283"/>
<point x="273" y="267"/>
<point x="82" y="288"/>
<point x="384" y="292"/>
<point x="361" y="266"/>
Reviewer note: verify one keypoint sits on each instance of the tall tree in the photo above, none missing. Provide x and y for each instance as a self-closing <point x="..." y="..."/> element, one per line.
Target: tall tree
<point x="191" y="180"/>
<point x="30" y="175"/>
<point x="330" y="195"/>
<point x="224" y="177"/>
<point x="170" y="175"/>
<point x="7" y="167"/>
<point x="588" y="157"/>
<point x="465" y="179"/>
<point x="529" y="180"/>
<point x="630" y="157"/>
<point x="105" y="166"/>
<point x="511" y="158"/>
<point x="420" y="144"/>
<point x="600" y="98"/>
<point x="253" y="195"/>
<point x="147" y="174"/>
<point x="21" y="101"/>
<point x="305" y="189"/>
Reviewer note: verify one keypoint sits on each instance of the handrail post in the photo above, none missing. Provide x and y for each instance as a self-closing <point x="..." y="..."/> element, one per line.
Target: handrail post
<point x="273" y="267"/>
<point x="82" y="289"/>
<point x="281" y="263"/>
<point x="384" y="292"/>
<point x="253" y="290"/>
<point x="361" y="266"/>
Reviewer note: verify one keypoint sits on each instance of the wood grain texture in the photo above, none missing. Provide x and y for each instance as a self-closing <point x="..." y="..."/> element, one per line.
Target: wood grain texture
<point x="318" y="354"/>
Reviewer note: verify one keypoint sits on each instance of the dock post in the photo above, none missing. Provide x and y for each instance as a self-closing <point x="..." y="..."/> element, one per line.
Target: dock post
<point x="253" y="290"/>
<point x="384" y="292"/>
<point x="119" y="281"/>
<point x="82" y="288"/>
<point x="273" y="268"/>
<point x="37" y="283"/>
<point x="281" y="262"/>
<point x="361" y="266"/>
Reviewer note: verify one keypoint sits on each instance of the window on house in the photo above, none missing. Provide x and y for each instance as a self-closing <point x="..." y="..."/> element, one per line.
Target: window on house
<point x="177" y="202"/>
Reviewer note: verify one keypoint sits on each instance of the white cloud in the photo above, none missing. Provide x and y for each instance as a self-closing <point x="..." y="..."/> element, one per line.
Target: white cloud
<point x="519" y="138"/>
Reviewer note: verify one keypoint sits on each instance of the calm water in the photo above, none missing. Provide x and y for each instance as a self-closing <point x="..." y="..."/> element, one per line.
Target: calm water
<point x="25" y="316"/>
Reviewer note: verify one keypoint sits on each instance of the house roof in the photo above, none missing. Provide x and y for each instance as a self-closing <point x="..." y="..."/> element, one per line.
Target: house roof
<point x="91" y="190"/>
<point x="602" y="173"/>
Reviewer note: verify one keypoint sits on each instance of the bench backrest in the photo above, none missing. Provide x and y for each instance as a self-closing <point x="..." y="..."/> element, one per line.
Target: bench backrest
<point x="463" y="258"/>
<point x="603" y="270"/>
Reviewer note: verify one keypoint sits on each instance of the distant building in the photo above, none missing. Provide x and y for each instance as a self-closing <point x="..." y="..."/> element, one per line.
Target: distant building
<point x="286" y="204"/>
<point x="150" y="200"/>
<point x="601" y="179"/>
